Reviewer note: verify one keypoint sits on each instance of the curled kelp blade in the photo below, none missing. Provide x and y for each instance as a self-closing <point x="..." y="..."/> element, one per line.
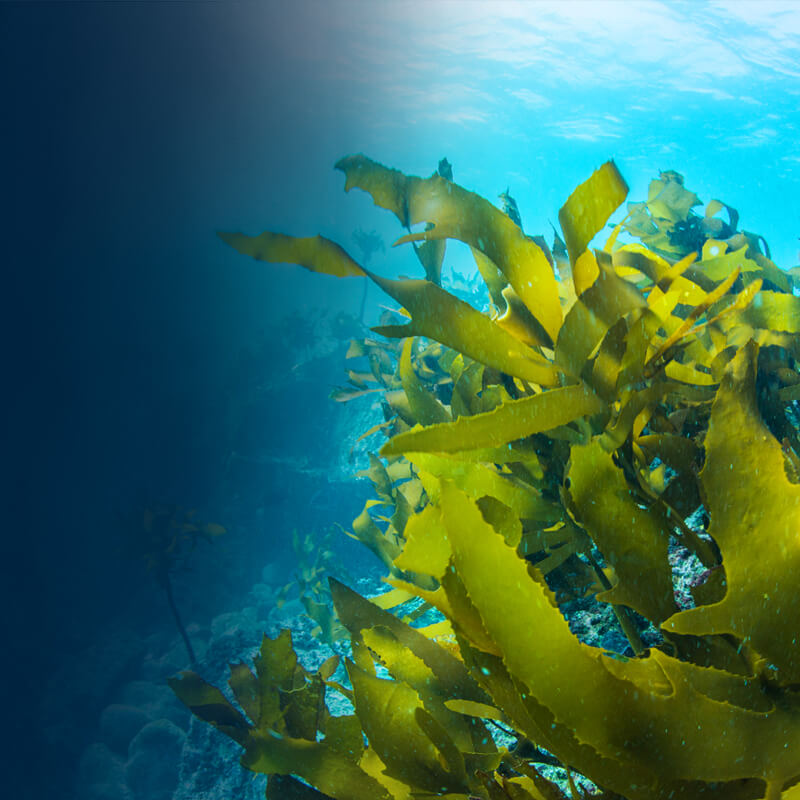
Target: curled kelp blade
<point x="589" y="206"/>
<point x="460" y="214"/>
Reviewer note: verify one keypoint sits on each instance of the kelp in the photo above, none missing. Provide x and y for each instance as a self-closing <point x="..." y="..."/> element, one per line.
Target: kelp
<point x="164" y="537"/>
<point x="546" y="450"/>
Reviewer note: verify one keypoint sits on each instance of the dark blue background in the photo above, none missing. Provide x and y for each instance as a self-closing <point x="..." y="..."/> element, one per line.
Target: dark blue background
<point x="130" y="133"/>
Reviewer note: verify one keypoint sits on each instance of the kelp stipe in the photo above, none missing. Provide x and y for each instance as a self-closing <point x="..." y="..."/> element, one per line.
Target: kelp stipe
<point x="547" y="450"/>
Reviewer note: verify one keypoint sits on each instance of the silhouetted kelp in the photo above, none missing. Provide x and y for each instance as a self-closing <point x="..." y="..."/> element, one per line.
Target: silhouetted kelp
<point x="549" y="449"/>
<point x="164" y="536"/>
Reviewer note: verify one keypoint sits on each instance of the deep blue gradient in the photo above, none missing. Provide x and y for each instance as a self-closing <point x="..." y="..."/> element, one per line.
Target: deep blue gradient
<point x="132" y="132"/>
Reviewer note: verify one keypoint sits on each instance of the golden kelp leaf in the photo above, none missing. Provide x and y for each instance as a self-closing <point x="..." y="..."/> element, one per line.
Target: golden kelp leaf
<point x="367" y="532"/>
<point x="668" y="199"/>
<point x="209" y="704"/>
<point x="611" y="242"/>
<point x="343" y="734"/>
<point x="441" y="316"/>
<point x="313" y="252"/>
<point x="608" y="361"/>
<point x="494" y="279"/>
<point x="686" y="373"/>
<point x="426" y="550"/>
<point x="357" y="614"/>
<point x="398" y="470"/>
<point x="473" y="709"/>
<point x="244" y="686"/>
<point x="599" y="307"/>
<point x="513" y="420"/>
<point x="408" y="668"/>
<point x="342" y="395"/>
<point x="316" y="762"/>
<point x="791" y="794"/>
<point x="584" y="272"/>
<point x="390" y="188"/>
<point x="424" y="405"/>
<point x="524" y="788"/>
<point x="386" y="710"/>
<point x="537" y="722"/>
<point x="755" y="518"/>
<point x="360" y="379"/>
<point x="412" y="491"/>
<point x="459" y="214"/>
<point x="467" y="384"/>
<point x="372" y="765"/>
<point x="589" y="206"/>
<point x="519" y="322"/>
<point x="522" y="452"/>
<point x="772" y="273"/>
<point x="392" y="598"/>
<point x="431" y="256"/>
<point x="718" y="264"/>
<point x="686" y="326"/>
<point x="502" y="519"/>
<point x="380" y="478"/>
<point x="304" y="709"/>
<point x="480" y="480"/>
<point x="633" y="540"/>
<point x="440" y="736"/>
<point x="639" y="222"/>
<point x="674" y="734"/>
<point x="771" y="311"/>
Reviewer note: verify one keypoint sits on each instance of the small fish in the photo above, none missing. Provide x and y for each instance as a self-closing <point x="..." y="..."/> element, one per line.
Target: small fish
<point x="510" y="208"/>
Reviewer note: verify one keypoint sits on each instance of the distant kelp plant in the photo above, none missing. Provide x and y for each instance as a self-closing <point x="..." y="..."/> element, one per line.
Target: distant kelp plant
<point x="550" y="448"/>
<point x="164" y="537"/>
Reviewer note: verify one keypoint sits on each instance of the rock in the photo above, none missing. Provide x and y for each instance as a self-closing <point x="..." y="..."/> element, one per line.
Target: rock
<point x="210" y="769"/>
<point x="233" y="634"/>
<point x="82" y="686"/>
<point x="101" y="775"/>
<point x="157" y="666"/>
<point x="120" y="723"/>
<point x="157" y="700"/>
<point x="154" y="760"/>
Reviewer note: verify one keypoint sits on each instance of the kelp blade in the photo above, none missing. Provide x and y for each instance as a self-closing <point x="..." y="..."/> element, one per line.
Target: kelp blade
<point x="588" y="208"/>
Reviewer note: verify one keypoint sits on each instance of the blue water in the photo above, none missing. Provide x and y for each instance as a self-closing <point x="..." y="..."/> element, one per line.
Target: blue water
<point x="133" y="131"/>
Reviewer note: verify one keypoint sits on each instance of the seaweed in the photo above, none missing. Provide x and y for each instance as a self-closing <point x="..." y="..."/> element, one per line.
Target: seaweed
<point x="547" y="449"/>
<point x="164" y="536"/>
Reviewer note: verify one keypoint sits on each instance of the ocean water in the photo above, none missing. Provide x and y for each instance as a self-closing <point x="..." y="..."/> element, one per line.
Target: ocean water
<point x="149" y="366"/>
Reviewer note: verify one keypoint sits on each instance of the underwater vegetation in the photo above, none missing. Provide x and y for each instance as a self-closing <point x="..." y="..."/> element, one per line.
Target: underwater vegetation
<point x="316" y="563"/>
<point x="164" y="536"/>
<point x="610" y="401"/>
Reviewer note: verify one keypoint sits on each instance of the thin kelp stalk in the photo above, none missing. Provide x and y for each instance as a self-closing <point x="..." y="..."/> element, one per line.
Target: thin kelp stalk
<point x="622" y="613"/>
<point x="167" y="584"/>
